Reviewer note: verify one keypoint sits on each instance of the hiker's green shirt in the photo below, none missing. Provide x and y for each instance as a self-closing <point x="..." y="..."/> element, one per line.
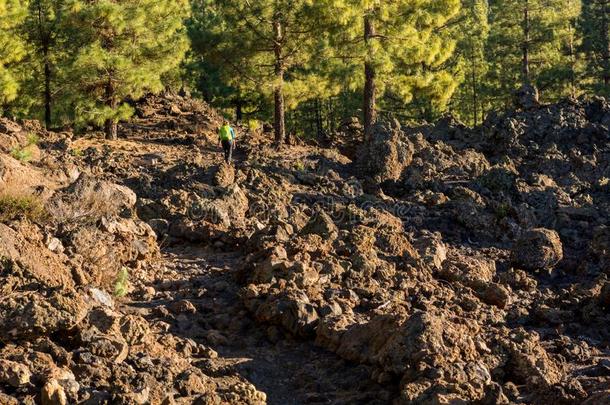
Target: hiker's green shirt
<point x="226" y="133"/>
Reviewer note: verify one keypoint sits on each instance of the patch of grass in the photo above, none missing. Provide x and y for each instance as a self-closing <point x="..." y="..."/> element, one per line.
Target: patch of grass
<point x="121" y="285"/>
<point x="23" y="155"/>
<point x="299" y="166"/>
<point x="32" y="139"/>
<point x="76" y="152"/>
<point x="14" y="207"/>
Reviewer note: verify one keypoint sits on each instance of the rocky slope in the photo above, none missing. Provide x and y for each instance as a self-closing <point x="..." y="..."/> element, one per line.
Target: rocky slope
<point x="428" y="265"/>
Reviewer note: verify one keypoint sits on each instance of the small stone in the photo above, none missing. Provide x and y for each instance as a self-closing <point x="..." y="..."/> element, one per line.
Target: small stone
<point x="14" y="374"/>
<point x="496" y="294"/>
<point x="216" y="338"/>
<point x="102" y="297"/>
<point x="53" y="394"/>
<point x="182" y="307"/>
<point x="55" y="245"/>
<point x="149" y="293"/>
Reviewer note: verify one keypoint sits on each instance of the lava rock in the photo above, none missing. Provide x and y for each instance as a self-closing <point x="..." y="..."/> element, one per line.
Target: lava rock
<point x="538" y="249"/>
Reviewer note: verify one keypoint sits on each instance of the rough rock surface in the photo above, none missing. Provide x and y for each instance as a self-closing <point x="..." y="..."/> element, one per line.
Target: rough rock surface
<point x="538" y="249"/>
<point x="443" y="265"/>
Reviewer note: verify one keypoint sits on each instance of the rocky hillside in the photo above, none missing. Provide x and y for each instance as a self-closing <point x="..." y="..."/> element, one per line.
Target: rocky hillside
<point x="428" y="265"/>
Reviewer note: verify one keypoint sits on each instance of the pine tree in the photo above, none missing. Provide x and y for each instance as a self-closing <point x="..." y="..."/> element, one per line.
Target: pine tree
<point x="125" y="47"/>
<point x="400" y="47"/>
<point x="561" y="77"/>
<point x="594" y="23"/>
<point x="12" y="48"/>
<point x="47" y="51"/>
<point x="213" y="69"/>
<point x="527" y="45"/>
<point x="471" y="34"/>
<point x="266" y="46"/>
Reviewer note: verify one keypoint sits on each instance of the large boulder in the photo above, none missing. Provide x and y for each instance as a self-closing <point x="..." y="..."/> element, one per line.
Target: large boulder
<point x="18" y="178"/>
<point x="538" y="249"/>
<point x="386" y="154"/>
<point x="526" y="97"/>
<point x="91" y="198"/>
<point x="31" y="314"/>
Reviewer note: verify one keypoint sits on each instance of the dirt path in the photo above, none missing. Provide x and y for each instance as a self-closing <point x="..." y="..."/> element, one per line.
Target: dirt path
<point x="287" y="370"/>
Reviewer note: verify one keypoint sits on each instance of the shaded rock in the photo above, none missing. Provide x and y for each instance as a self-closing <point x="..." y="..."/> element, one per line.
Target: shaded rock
<point x="431" y="249"/>
<point x="182" y="307"/>
<point x="194" y="382"/>
<point x="538" y="249"/>
<point x="159" y="226"/>
<point x="100" y="198"/>
<point x="386" y="155"/>
<point x="28" y="315"/>
<point x="135" y="329"/>
<point x="599" y="398"/>
<point x="530" y="362"/>
<point x="604" y="296"/>
<point x="496" y="294"/>
<point x="224" y="175"/>
<point x="321" y="224"/>
<point x="526" y="97"/>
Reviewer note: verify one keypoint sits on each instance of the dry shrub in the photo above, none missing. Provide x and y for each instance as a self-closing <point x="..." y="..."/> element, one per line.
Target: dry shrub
<point x="87" y="209"/>
<point x="15" y="205"/>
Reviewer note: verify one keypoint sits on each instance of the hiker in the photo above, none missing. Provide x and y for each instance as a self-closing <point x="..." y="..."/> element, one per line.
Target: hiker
<point x="226" y="136"/>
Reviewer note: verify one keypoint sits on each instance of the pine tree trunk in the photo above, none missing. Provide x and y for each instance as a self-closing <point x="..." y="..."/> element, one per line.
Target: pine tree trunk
<point x="526" y="44"/>
<point x="45" y="42"/>
<point x="279" y="115"/>
<point x="572" y="56"/>
<point x="475" y="94"/>
<point x="318" y="118"/>
<point x="278" y="93"/>
<point x="605" y="9"/>
<point x="111" y="129"/>
<point x="370" y="89"/>
<point x="111" y="125"/>
<point x="47" y="89"/>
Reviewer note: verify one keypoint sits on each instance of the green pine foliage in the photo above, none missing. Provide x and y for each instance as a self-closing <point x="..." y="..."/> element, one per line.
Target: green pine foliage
<point x="399" y="48"/>
<point x="124" y="49"/>
<point x="471" y="66"/>
<point x="305" y="65"/>
<point x="47" y="56"/>
<point x="266" y="47"/>
<point x="12" y="47"/>
<point x="213" y="68"/>
<point x="542" y="27"/>
<point x="593" y="23"/>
